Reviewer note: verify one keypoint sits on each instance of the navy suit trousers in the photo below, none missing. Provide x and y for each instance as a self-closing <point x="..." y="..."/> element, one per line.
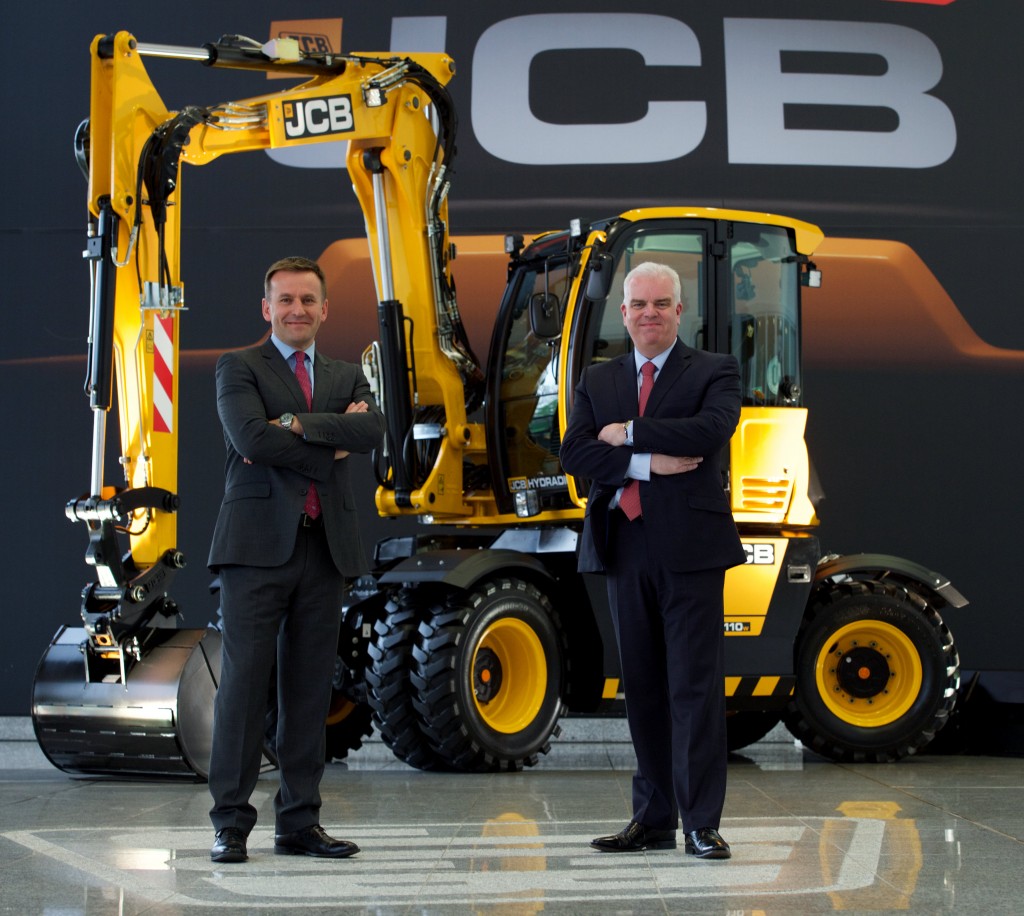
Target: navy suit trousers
<point x="672" y="650"/>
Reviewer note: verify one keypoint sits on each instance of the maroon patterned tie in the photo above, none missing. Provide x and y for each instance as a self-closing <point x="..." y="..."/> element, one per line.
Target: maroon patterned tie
<point x="629" y="501"/>
<point x="302" y="375"/>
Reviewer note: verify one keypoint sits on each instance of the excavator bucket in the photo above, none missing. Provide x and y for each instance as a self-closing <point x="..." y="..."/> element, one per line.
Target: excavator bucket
<point x="157" y="722"/>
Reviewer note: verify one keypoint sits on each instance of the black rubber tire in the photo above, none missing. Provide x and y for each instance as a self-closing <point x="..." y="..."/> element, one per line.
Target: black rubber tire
<point x="877" y="674"/>
<point x="349" y="718"/>
<point x="388" y="690"/>
<point x="748" y="726"/>
<point x="347" y="725"/>
<point x="503" y="636"/>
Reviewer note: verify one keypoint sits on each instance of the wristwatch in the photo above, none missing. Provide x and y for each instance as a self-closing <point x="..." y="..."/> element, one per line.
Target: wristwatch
<point x="627" y="428"/>
<point x="287" y="419"/>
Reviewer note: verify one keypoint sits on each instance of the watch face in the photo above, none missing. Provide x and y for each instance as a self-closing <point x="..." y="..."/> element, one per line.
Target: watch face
<point x="286" y="420"/>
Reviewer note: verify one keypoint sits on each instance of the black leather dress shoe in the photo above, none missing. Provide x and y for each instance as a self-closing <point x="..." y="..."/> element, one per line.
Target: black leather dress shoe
<point x="313" y="841"/>
<point x="635" y="838"/>
<point x="229" y="846"/>
<point x="707" y="843"/>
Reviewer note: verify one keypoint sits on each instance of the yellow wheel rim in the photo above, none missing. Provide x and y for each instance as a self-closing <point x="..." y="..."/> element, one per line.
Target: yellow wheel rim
<point x="869" y="674"/>
<point x="510" y="675"/>
<point x="340" y="710"/>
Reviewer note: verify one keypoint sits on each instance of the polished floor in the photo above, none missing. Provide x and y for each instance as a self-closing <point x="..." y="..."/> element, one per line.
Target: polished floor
<point x="932" y="834"/>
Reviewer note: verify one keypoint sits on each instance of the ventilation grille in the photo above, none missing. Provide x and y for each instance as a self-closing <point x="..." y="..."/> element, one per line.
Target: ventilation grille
<point x="769" y="495"/>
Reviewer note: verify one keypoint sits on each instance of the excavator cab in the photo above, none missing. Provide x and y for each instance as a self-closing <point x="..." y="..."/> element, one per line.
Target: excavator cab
<point x="740" y="280"/>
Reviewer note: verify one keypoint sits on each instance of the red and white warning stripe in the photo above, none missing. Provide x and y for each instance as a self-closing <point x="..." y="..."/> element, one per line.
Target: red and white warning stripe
<point x="163" y="374"/>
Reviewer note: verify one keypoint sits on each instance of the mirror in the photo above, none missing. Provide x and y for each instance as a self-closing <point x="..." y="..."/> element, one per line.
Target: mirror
<point x="545" y="321"/>
<point x="599" y="280"/>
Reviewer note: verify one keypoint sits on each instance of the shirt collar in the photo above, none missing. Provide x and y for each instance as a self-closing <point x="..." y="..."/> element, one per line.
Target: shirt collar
<point x="287" y="352"/>
<point x="659" y="360"/>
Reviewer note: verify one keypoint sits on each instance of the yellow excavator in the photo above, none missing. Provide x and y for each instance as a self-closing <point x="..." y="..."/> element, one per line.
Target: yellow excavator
<point x="474" y="637"/>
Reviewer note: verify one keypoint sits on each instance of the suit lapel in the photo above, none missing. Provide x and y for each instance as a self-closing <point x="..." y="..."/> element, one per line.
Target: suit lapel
<point x="626" y="391"/>
<point x="677" y="363"/>
<point x="279" y="366"/>
<point x="323" y="376"/>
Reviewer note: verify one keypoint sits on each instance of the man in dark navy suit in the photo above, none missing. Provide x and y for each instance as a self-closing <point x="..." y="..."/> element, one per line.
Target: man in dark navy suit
<point x="286" y="537"/>
<point x="647" y="430"/>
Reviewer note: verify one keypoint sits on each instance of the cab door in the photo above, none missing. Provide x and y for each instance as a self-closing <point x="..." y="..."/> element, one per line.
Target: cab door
<point x="523" y="432"/>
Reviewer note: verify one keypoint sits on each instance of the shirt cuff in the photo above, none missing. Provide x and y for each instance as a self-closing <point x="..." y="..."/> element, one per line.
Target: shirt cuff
<point x="639" y="466"/>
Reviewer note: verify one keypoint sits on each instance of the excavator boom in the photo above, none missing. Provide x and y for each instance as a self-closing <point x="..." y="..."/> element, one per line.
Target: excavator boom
<point x="397" y="119"/>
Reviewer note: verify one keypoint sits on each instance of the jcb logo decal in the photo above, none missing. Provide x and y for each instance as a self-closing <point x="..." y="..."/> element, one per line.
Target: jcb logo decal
<point x="760" y="554"/>
<point x="330" y="114"/>
<point x="550" y="482"/>
<point x="311" y="43"/>
<point x="315" y="36"/>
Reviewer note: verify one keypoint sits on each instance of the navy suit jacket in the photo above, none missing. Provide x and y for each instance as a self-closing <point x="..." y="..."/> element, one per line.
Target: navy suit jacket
<point x="692" y="411"/>
<point x="263" y="501"/>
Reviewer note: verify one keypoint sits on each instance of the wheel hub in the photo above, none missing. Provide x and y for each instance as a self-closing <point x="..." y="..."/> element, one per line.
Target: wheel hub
<point x="862" y="672"/>
<point x="487" y="675"/>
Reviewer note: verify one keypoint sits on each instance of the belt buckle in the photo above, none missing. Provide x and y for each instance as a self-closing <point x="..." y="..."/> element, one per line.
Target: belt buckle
<point x="307" y="521"/>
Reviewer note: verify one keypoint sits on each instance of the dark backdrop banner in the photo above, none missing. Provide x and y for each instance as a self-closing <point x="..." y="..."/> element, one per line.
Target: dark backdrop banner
<point x="877" y="119"/>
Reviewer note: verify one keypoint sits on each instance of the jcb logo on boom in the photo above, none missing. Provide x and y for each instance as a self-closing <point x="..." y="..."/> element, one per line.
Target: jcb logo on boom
<point x="317" y="117"/>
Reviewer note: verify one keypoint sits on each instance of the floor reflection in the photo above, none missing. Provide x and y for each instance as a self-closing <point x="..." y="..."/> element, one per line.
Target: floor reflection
<point x="927" y="835"/>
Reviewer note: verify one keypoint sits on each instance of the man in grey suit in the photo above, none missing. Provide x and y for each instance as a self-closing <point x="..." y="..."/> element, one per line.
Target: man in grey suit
<point x="286" y="537"/>
<point x="659" y="524"/>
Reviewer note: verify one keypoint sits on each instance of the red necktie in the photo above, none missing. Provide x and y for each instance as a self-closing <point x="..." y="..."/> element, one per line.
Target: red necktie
<point x="629" y="500"/>
<point x="302" y="375"/>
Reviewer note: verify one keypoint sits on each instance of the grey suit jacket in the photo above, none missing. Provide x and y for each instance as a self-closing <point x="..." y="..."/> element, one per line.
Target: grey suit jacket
<point x="264" y="500"/>
<point x="692" y="411"/>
